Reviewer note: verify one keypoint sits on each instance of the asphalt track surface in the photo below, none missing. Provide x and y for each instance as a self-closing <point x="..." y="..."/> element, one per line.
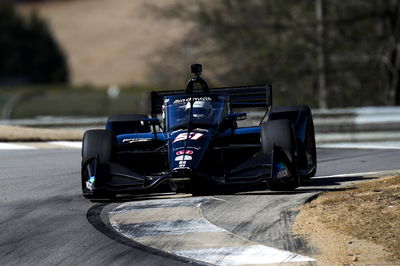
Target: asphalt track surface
<point x="44" y="220"/>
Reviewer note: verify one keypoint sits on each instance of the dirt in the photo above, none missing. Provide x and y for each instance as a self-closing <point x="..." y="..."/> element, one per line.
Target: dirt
<point x="25" y="134"/>
<point x="109" y="42"/>
<point x="358" y="225"/>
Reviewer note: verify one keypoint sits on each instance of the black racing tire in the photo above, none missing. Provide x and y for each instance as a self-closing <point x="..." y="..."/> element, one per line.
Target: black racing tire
<point x="309" y="144"/>
<point x="310" y="147"/>
<point x="97" y="142"/>
<point x="280" y="133"/>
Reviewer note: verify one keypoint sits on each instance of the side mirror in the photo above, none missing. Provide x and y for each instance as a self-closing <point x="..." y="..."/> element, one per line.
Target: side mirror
<point x="236" y="116"/>
<point x="149" y="121"/>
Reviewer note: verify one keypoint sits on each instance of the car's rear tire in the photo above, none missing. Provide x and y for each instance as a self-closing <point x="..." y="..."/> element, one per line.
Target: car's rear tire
<point x="96" y="144"/>
<point x="280" y="133"/>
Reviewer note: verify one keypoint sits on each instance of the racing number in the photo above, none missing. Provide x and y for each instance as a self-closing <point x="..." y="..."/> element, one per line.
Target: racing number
<point x="184" y="136"/>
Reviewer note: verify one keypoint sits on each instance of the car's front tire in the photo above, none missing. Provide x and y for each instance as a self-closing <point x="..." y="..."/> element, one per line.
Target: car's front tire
<point x="280" y="133"/>
<point x="97" y="151"/>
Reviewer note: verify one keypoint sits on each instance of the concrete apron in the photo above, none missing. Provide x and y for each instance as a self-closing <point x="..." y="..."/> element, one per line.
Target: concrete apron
<point x="179" y="227"/>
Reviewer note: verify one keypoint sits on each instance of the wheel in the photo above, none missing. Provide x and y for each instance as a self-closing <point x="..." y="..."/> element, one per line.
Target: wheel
<point x="310" y="150"/>
<point x="302" y="121"/>
<point x="96" y="144"/>
<point x="280" y="133"/>
<point x="127" y="123"/>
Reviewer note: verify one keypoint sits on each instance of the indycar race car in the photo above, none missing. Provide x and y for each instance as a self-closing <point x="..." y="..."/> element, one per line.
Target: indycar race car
<point x="191" y="141"/>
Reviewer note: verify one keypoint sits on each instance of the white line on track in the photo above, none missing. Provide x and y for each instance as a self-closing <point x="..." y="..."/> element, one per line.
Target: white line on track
<point x="40" y="145"/>
<point x="12" y="146"/>
<point x="71" y="144"/>
<point x="384" y="145"/>
<point x="380" y="173"/>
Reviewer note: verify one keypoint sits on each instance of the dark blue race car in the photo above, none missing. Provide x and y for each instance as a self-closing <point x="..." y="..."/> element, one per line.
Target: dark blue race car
<point x="191" y="142"/>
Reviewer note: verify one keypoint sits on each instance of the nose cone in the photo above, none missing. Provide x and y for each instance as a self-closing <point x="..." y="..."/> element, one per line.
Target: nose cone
<point x="186" y="150"/>
<point x="182" y="172"/>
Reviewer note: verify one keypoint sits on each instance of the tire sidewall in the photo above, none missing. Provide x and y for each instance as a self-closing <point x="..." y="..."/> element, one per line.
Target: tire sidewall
<point x="97" y="143"/>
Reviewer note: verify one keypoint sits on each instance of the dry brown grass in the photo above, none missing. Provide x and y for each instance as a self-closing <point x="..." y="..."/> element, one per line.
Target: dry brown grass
<point x="107" y="41"/>
<point x="363" y="222"/>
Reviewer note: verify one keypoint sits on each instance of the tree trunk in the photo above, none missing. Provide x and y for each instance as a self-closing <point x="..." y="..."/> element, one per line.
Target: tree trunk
<point x="321" y="56"/>
<point x="394" y="64"/>
<point x="395" y="75"/>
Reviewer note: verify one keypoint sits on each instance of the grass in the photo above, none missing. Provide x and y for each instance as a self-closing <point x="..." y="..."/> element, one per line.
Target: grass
<point x="27" y="134"/>
<point x="66" y="101"/>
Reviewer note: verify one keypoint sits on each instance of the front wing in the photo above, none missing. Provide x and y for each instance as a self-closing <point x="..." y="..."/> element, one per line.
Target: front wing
<point x="115" y="178"/>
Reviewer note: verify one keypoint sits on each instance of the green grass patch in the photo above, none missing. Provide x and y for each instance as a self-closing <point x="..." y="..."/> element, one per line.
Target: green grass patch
<point x="28" y="102"/>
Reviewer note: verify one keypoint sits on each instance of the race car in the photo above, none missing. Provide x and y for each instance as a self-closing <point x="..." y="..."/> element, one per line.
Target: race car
<point x="192" y="140"/>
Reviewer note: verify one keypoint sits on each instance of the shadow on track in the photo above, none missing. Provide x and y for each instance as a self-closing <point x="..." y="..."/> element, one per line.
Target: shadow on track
<point x="316" y="185"/>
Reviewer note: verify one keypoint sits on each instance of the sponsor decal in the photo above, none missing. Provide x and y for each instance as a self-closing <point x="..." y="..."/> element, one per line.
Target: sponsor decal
<point x="136" y="140"/>
<point x="201" y="129"/>
<point x="184" y="136"/>
<point x="200" y="99"/>
<point x="281" y="165"/>
<point x="283" y="171"/>
<point x="184" y="152"/>
<point x="89" y="183"/>
<point x="183" y="158"/>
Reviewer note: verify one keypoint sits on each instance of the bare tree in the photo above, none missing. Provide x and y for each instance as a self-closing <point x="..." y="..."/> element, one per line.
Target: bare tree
<point x="393" y="63"/>
<point x="321" y="56"/>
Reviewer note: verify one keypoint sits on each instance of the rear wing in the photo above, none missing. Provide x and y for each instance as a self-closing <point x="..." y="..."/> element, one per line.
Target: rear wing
<point x="240" y="97"/>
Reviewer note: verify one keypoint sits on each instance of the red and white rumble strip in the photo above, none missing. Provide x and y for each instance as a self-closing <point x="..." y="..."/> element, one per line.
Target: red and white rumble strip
<point x="178" y="226"/>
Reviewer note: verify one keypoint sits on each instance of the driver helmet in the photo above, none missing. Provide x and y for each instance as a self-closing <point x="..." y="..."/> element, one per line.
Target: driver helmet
<point x="201" y="109"/>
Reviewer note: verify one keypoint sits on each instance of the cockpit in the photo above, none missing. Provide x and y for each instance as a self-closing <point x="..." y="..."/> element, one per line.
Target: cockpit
<point x="200" y="111"/>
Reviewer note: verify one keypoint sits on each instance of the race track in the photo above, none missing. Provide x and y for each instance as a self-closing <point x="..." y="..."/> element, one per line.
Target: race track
<point x="44" y="219"/>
